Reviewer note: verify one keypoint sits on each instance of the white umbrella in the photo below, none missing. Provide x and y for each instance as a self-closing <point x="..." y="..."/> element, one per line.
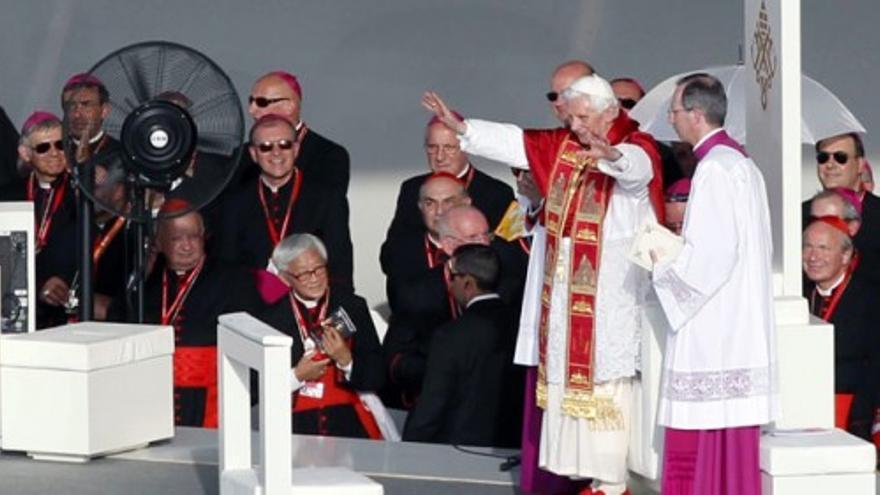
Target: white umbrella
<point x="822" y="113"/>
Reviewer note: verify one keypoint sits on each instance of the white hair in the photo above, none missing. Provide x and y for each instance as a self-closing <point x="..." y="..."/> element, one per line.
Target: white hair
<point x="595" y="89"/>
<point x="293" y="246"/>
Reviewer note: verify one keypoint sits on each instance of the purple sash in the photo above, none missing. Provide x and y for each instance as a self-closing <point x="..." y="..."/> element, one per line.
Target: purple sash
<point x="719" y="138"/>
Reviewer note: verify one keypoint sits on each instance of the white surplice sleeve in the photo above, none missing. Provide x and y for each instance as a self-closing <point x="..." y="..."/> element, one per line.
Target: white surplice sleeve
<point x="495" y="141"/>
<point x="685" y="283"/>
<point x="632" y="171"/>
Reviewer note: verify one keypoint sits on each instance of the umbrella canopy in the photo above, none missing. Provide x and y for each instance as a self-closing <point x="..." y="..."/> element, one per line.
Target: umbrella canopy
<point x="822" y="114"/>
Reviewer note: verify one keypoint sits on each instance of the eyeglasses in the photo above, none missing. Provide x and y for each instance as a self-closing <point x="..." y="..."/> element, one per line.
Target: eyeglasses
<point x="841" y="157"/>
<point x="263" y="102"/>
<point x="673" y="111"/>
<point x="268" y="146"/>
<point x="43" y="148"/>
<point x="433" y="149"/>
<point x="627" y="103"/>
<point x="552" y="96"/>
<point x="453" y="275"/>
<point x="318" y="271"/>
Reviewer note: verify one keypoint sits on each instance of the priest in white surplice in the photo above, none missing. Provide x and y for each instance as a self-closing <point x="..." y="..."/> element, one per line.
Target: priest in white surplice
<point x="601" y="180"/>
<point x="719" y="380"/>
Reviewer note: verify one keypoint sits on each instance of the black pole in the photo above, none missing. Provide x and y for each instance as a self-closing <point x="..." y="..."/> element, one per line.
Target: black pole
<point x="141" y="216"/>
<point x="85" y="212"/>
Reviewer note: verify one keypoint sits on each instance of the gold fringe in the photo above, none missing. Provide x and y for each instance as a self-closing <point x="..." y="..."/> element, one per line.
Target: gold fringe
<point x="601" y="413"/>
<point x="541" y="394"/>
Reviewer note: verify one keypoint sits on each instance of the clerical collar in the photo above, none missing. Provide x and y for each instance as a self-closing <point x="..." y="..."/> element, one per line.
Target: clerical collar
<point x="308" y="303"/>
<point x="464" y="171"/>
<point x="94" y="139"/>
<point x="272" y="188"/>
<point x="707" y="136"/>
<point x="827" y="292"/>
<point x="482" y="297"/>
<point x="433" y="241"/>
<point x="298" y="125"/>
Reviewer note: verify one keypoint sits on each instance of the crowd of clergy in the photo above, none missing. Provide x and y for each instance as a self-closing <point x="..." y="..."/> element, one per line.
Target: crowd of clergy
<point x="276" y="243"/>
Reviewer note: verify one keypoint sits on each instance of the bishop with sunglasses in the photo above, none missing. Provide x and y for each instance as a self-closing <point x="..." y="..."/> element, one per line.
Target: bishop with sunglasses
<point x="840" y="161"/>
<point x="283" y="200"/>
<point x="47" y="185"/>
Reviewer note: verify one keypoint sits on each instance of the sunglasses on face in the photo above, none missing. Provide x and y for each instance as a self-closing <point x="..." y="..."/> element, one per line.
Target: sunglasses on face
<point x="627" y="103"/>
<point x="268" y="146"/>
<point x="552" y="96"/>
<point x="263" y="102"/>
<point x="43" y="148"/>
<point x="841" y="157"/>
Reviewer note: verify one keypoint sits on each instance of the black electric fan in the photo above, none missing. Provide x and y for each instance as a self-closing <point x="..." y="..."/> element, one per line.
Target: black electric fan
<point x="179" y="125"/>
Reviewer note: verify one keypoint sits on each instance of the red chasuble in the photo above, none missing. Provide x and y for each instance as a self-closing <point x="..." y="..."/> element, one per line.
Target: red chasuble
<point x="577" y="196"/>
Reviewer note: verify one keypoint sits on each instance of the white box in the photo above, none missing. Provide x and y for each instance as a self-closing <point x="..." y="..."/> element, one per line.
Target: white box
<point x="86" y="389"/>
<point x="806" y="375"/>
<point x="849" y="484"/>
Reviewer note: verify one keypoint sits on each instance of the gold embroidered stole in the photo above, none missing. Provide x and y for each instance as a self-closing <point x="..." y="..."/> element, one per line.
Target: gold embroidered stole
<point x="574" y="183"/>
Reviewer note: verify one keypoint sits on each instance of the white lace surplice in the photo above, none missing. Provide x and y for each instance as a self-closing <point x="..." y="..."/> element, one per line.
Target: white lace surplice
<point x="720" y="368"/>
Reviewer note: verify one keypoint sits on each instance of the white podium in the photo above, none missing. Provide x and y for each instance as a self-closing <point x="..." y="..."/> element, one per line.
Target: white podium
<point x="245" y="343"/>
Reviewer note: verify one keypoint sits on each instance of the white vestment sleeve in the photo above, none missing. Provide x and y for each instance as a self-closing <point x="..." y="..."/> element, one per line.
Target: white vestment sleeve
<point x="499" y="142"/>
<point x="632" y="171"/>
<point x="295" y="384"/>
<point x="685" y="283"/>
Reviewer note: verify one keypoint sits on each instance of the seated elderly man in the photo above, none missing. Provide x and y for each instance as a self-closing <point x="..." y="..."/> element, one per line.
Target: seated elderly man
<point x="331" y="368"/>
<point x="464" y="384"/>
<point x="41" y="156"/>
<point x="839" y="292"/>
<point x="189" y="290"/>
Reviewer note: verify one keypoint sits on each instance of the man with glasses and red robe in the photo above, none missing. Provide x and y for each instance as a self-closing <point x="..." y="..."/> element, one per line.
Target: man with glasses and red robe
<point x="331" y="368"/>
<point x="283" y="200"/>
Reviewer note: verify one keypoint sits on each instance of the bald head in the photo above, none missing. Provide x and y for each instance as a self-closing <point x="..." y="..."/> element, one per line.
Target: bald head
<point x="562" y="78"/>
<point x="277" y="96"/>
<point x="462" y="225"/>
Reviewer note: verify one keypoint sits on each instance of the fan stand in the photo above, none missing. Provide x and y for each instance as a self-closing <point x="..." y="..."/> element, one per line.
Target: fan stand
<point x="85" y="211"/>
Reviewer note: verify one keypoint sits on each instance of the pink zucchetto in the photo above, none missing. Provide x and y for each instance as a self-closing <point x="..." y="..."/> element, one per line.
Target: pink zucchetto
<point x="82" y="79"/>
<point x="436" y="120"/>
<point x="36" y="119"/>
<point x="291" y="81"/>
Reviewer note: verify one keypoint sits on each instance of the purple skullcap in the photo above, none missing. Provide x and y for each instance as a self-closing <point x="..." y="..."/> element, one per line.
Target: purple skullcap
<point x="850" y="197"/>
<point x="436" y="120"/>
<point x="678" y="191"/>
<point x="291" y="81"/>
<point x="83" y="79"/>
<point x="37" y="118"/>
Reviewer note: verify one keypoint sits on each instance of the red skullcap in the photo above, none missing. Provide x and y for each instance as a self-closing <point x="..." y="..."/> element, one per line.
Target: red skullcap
<point x="83" y="78"/>
<point x="445" y="175"/>
<point x="175" y="205"/>
<point x="37" y="118"/>
<point x="836" y="222"/>
<point x="291" y="81"/>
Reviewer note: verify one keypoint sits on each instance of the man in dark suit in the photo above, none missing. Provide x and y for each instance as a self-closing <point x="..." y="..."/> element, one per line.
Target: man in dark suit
<point x="86" y="102"/>
<point x="840" y="292"/>
<point x="462" y="391"/>
<point x="320" y="159"/>
<point x="189" y="290"/>
<point x="488" y="194"/>
<point x="840" y="161"/>
<point x="331" y="367"/>
<point x="283" y="200"/>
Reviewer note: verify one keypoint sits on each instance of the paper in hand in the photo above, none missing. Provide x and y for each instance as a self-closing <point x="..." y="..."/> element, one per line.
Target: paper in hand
<point x="657" y="238"/>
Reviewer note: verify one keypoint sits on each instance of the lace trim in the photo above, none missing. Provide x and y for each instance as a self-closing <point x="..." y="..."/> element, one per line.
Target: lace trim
<point x="702" y="386"/>
<point x="688" y="298"/>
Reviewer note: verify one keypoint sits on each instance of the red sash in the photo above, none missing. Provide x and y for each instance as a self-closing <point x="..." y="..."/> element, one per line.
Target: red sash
<point x="196" y="367"/>
<point x="334" y="394"/>
<point x="275" y="235"/>
<point x="433" y="255"/>
<point x="53" y="202"/>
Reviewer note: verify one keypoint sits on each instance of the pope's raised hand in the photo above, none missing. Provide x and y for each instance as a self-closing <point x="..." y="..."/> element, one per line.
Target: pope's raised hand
<point x="601" y="149"/>
<point x="433" y="103"/>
